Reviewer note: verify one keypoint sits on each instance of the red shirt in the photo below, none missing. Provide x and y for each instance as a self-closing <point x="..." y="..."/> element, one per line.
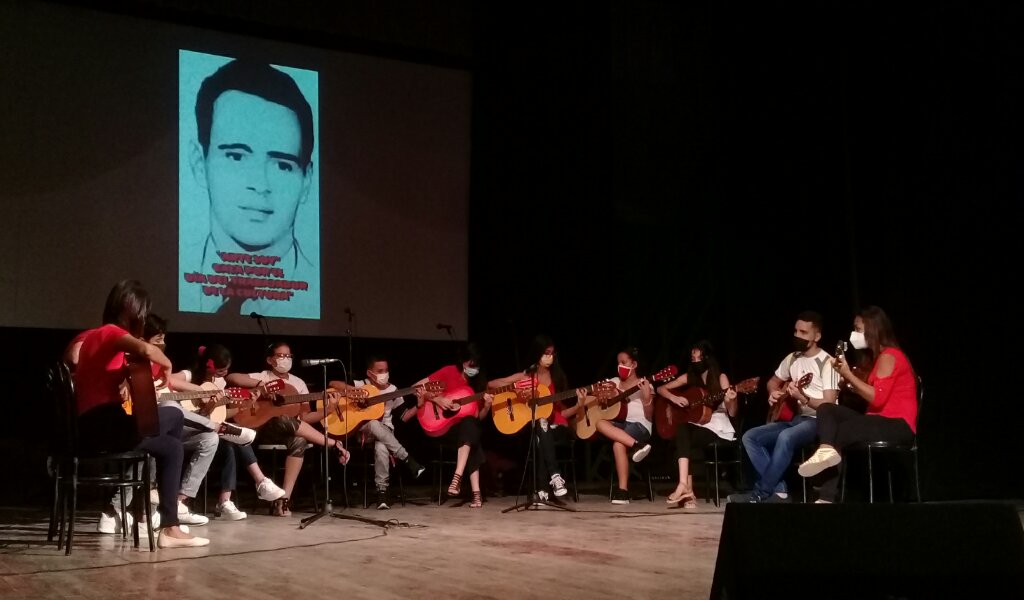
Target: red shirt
<point x="100" y="368"/>
<point x="452" y="378"/>
<point x="895" y="395"/>
<point x="556" y="414"/>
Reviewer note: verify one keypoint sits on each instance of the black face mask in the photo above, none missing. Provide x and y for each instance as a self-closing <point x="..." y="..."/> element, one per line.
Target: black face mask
<point x="699" y="366"/>
<point x="800" y="344"/>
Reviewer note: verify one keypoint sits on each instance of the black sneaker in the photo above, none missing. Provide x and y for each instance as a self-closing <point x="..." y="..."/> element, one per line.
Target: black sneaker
<point x="620" y="496"/>
<point x="414" y="467"/>
<point x="382" y="500"/>
<point x="639" y="451"/>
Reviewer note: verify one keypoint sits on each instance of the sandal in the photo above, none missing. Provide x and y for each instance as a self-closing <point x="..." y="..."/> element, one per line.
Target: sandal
<point x="281" y="507"/>
<point x="478" y="500"/>
<point x="688" y="501"/>
<point x="456" y="486"/>
<point x="674" y="498"/>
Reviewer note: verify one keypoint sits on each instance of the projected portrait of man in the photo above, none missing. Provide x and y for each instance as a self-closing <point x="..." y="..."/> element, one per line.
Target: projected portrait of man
<point x="252" y="159"/>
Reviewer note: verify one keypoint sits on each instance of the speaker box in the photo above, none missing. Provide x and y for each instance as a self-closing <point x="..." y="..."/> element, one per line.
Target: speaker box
<point x="867" y="551"/>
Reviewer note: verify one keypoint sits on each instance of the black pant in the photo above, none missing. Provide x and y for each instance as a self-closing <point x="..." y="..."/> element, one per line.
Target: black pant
<point x="468" y="431"/>
<point x="547" y="459"/>
<point x="839" y="427"/>
<point x="107" y="428"/>
<point x="691" y="440"/>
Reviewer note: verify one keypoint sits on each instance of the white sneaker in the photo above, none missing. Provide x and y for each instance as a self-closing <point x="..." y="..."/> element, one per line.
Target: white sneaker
<point x="822" y="459"/>
<point x="268" y="490"/>
<point x="112" y="523"/>
<point x="558" y="485"/>
<point x="228" y="510"/>
<point x="188" y="517"/>
<point x="243" y="436"/>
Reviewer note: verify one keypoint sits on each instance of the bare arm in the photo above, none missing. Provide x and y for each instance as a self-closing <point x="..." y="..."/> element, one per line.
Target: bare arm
<point x="829" y="398"/>
<point x="71" y="355"/>
<point x="242" y="380"/>
<point x="513" y="378"/>
<point x="178" y="383"/>
<point x="731" y="403"/>
<point x="776" y="389"/>
<point x="678" y="382"/>
<point x="128" y="343"/>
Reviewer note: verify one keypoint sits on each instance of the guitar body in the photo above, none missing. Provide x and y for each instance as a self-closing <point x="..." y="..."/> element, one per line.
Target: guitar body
<point x="668" y="417"/>
<point x="218" y="414"/>
<point x="142" y="395"/>
<point x="351" y="413"/>
<point x="786" y="408"/>
<point x="586" y="421"/>
<point x="266" y="407"/>
<point x="512" y="411"/>
<point x="437" y="422"/>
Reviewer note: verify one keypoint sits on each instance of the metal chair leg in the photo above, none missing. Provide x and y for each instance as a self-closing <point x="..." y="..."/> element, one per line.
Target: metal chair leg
<point x="718" y="495"/>
<point x="917" y="478"/>
<point x="871" y="478"/>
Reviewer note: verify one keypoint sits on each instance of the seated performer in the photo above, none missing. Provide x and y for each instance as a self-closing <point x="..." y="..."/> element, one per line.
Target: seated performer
<point x="890" y="391"/>
<point x="629" y="437"/>
<point x="294" y="432"/>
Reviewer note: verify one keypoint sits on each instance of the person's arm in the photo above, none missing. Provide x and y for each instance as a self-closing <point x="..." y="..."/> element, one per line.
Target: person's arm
<point x="678" y="382"/>
<point x="242" y="380"/>
<point x="486" y="408"/>
<point x="514" y="378"/>
<point x="776" y="389"/>
<point x="829" y="397"/>
<point x="71" y="354"/>
<point x="886" y="364"/>
<point x="731" y="404"/>
<point x="178" y="383"/>
<point x="133" y="345"/>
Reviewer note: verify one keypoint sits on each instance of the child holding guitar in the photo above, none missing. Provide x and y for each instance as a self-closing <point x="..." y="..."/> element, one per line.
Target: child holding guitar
<point x="705" y="374"/>
<point x="211" y="367"/>
<point x="547" y="372"/>
<point x="104" y="426"/>
<point x="462" y="380"/>
<point x="295" y="432"/>
<point x="629" y="437"/>
<point x="770" y="447"/>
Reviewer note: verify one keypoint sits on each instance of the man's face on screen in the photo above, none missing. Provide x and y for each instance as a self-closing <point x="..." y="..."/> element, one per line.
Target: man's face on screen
<point x="252" y="169"/>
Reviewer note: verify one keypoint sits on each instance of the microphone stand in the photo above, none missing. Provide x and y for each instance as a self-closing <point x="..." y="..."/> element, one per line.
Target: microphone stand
<point x="328" y="509"/>
<point x="532" y="496"/>
<point x="349" y="332"/>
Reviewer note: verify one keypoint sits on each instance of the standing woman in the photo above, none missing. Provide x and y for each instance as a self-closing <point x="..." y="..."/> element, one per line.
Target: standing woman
<point x="102" y="423"/>
<point x="890" y="391"/>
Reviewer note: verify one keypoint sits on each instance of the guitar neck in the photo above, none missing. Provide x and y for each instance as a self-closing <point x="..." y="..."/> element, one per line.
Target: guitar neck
<point x="183" y="396"/>
<point x="389" y="396"/>
<point x="300" y="398"/>
<point x="567" y="394"/>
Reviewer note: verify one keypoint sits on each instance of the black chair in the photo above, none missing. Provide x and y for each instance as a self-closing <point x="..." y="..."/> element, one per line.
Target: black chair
<point x="892" y="449"/>
<point x="440" y="466"/>
<point x="277" y="472"/>
<point x="719" y="456"/>
<point x="567" y="463"/>
<point x="71" y="469"/>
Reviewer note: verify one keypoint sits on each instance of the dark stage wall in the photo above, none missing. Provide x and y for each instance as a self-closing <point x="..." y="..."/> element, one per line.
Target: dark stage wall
<point x="652" y="173"/>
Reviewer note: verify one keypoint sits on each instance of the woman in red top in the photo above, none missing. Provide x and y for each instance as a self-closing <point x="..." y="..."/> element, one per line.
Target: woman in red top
<point x="546" y="371"/>
<point x="891" y="394"/>
<point x="102" y="423"/>
<point x="467" y="432"/>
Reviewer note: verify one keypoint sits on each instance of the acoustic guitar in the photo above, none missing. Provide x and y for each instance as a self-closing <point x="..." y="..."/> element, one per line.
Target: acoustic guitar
<point x="512" y="410"/>
<point x="283" y="400"/>
<point x="668" y="416"/>
<point x="597" y="409"/>
<point x="217" y="410"/>
<point x="437" y="421"/>
<point x="351" y="413"/>
<point x="786" y="407"/>
<point x="141" y="395"/>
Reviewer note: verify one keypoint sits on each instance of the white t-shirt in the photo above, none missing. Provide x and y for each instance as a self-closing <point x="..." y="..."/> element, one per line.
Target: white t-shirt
<point x="823" y="376"/>
<point x="389" y="405"/>
<point x="220" y="382"/>
<point x="720" y="423"/>
<point x="292" y="380"/>
<point x="635" y="408"/>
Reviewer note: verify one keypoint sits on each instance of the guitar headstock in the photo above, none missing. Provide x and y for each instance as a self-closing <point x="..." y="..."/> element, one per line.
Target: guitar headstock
<point x="749" y="385"/>
<point x="665" y="374"/>
<point x="433" y="387"/>
<point x="841" y="350"/>
<point x="354" y="393"/>
<point x="805" y="380"/>
<point x="272" y="387"/>
<point x="238" y="393"/>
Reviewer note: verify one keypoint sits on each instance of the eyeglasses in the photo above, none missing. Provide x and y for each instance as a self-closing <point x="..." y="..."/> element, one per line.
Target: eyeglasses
<point x="283" y="356"/>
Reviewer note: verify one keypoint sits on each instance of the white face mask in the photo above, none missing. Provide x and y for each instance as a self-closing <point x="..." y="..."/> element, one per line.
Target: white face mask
<point x="382" y="378"/>
<point x="857" y="340"/>
<point x="284" y="365"/>
<point x="547" y="360"/>
<point x="470" y="371"/>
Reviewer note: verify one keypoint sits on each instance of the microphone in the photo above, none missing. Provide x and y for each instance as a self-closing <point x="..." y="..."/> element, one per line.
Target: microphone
<point x="255" y="315"/>
<point x="444" y="326"/>
<point x="316" y="362"/>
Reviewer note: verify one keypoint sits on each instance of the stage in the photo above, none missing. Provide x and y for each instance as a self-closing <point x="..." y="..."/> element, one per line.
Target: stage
<point x="641" y="550"/>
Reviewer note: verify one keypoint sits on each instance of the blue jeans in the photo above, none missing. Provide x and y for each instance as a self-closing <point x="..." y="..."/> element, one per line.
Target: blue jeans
<point x="771" y="448"/>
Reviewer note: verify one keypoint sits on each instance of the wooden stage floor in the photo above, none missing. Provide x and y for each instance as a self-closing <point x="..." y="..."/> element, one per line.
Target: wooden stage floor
<point x="643" y="550"/>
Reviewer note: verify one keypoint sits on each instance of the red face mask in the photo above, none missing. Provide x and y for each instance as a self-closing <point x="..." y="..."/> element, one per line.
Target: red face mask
<point x="625" y="371"/>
